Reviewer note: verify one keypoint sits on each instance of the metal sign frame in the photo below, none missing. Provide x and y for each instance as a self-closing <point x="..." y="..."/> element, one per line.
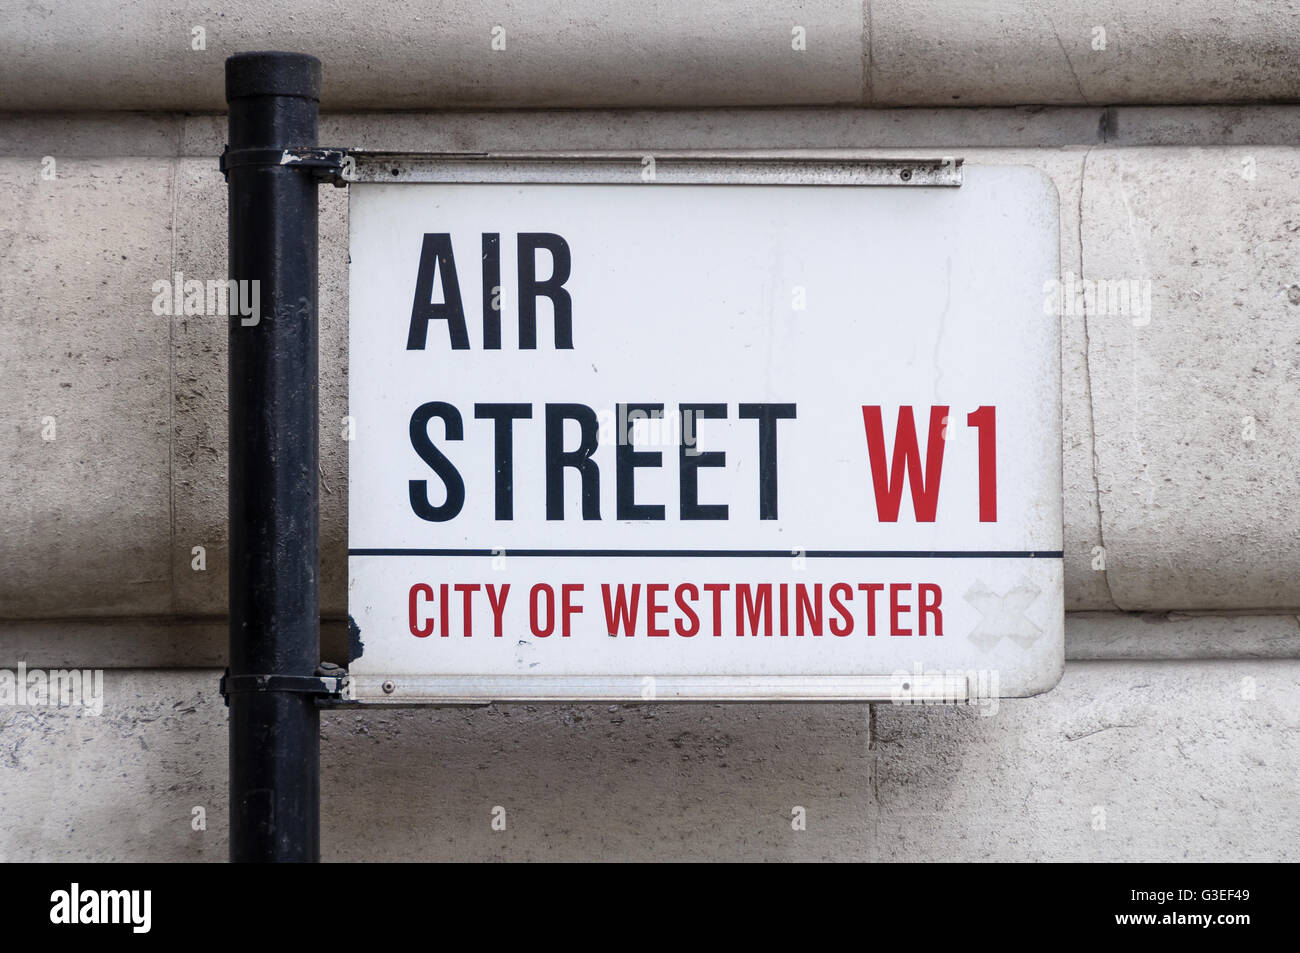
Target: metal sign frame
<point x="667" y="168"/>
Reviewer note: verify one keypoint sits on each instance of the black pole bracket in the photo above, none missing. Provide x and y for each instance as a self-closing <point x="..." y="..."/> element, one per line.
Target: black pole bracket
<point x="326" y="165"/>
<point x="327" y="688"/>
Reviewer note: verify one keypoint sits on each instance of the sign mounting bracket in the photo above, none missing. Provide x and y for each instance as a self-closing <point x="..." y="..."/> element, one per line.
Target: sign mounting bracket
<point x="669" y="168"/>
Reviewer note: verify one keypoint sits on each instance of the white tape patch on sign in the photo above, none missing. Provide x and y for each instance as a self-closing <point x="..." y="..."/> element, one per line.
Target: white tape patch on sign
<point x="631" y="441"/>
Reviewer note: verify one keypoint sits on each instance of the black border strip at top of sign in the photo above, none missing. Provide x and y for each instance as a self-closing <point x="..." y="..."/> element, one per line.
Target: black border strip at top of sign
<point x="742" y="553"/>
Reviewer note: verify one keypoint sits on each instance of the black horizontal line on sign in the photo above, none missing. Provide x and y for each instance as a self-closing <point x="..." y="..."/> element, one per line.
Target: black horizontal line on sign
<point x="738" y="553"/>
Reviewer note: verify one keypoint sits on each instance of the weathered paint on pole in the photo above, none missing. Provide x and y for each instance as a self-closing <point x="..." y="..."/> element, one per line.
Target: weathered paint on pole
<point x="274" y="448"/>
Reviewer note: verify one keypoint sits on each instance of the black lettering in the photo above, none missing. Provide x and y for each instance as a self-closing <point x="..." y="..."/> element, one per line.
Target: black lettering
<point x="530" y="289"/>
<point x="435" y="257"/>
<point x="627" y="459"/>
<point x="437" y="462"/>
<point x="504" y="415"/>
<point x="492" y="293"/>
<point x="691" y="458"/>
<point x="767" y="415"/>
<point x="557" y="459"/>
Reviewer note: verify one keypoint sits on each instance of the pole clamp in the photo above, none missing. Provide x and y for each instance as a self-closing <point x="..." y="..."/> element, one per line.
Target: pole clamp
<point x="327" y="165"/>
<point x="327" y="685"/>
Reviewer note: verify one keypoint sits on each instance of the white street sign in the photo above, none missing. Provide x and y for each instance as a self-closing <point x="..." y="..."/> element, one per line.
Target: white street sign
<point x="627" y="439"/>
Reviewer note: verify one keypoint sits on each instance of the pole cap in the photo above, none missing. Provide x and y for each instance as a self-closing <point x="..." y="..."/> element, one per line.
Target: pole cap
<point x="272" y="74"/>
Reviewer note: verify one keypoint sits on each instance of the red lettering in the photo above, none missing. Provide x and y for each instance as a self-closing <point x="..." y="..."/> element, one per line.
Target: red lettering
<point x="717" y="589"/>
<point x="985" y="421"/>
<point x="888" y="485"/>
<point x="748" y="606"/>
<point x="653" y="608"/>
<point x="845" y="628"/>
<point x="541" y="631"/>
<point x="425" y="629"/>
<point x="896" y="608"/>
<point x="871" y="588"/>
<point x="568" y="609"/>
<point x="468" y="588"/>
<point x="498" y="603"/>
<point x="694" y="626"/>
<point x="622" y="613"/>
<point x="810" y="609"/>
<point x="931" y="608"/>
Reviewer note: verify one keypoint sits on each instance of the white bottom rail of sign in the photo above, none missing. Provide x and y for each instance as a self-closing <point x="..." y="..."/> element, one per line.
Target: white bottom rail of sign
<point x="935" y="687"/>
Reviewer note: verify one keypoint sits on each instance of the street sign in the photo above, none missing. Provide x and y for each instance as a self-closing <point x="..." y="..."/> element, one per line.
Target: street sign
<point x="738" y="429"/>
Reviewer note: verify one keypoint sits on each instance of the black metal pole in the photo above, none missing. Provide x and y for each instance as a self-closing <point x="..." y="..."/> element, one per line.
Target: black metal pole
<point x="274" y="446"/>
